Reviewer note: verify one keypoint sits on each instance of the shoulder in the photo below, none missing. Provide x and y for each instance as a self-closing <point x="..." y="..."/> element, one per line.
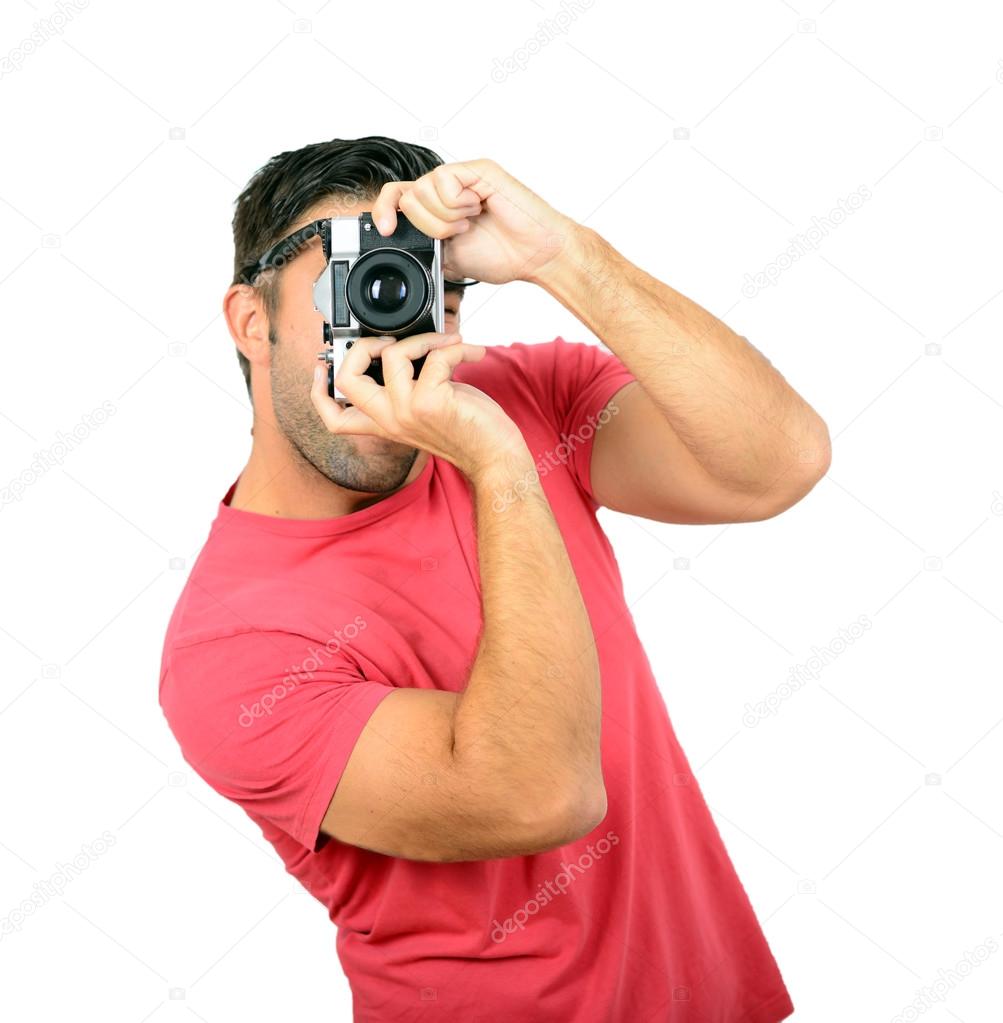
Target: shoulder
<point x="230" y="599"/>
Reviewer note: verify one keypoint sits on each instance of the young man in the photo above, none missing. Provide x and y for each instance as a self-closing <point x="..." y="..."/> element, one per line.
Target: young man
<point x="405" y="650"/>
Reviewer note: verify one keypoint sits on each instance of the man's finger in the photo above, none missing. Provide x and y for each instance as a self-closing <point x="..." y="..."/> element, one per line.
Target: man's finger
<point x="337" y="419"/>
<point x="452" y="192"/>
<point x="432" y="200"/>
<point x="418" y="213"/>
<point x="355" y="385"/>
<point x="384" y="211"/>
<point x="441" y="362"/>
<point x="399" y="359"/>
<point x="398" y="369"/>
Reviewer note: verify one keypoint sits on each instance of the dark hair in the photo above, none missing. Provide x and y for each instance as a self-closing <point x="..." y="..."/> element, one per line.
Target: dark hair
<point x="281" y="192"/>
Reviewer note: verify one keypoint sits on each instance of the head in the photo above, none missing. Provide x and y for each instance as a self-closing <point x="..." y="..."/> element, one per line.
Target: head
<point x="274" y="324"/>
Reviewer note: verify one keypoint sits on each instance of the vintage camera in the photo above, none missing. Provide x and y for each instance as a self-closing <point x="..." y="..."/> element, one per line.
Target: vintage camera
<point x="374" y="285"/>
<point x="371" y="285"/>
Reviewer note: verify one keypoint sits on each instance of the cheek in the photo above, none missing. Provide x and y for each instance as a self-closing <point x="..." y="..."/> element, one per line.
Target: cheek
<point x="301" y="326"/>
<point x="293" y="359"/>
<point x="300" y="339"/>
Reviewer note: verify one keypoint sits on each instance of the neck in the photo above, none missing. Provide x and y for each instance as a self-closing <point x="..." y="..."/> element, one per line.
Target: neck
<point x="278" y="481"/>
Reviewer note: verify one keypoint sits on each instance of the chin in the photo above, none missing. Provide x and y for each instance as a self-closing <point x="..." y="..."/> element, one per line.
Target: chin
<point x="368" y="445"/>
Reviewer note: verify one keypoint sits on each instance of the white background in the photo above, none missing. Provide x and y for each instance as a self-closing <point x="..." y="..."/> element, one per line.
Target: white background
<point x="863" y="815"/>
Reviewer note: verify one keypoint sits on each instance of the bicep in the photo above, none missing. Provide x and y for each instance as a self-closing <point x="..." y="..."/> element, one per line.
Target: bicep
<point x="640" y="466"/>
<point x="402" y="793"/>
<point x="388" y="794"/>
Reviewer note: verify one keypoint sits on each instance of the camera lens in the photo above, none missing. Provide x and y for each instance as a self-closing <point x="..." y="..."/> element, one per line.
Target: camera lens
<point x="385" y="290"/>
<point x="388" y="290"/>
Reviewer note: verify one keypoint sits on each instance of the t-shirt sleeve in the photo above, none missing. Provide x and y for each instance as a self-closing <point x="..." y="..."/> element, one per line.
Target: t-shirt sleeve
<point x="269" y="720"/>
<point x="573" y="383"/>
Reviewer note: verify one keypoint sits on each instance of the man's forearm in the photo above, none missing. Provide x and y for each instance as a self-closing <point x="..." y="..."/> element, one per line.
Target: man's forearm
<point x="528" y="722"/>
<point x="737" y="414"/>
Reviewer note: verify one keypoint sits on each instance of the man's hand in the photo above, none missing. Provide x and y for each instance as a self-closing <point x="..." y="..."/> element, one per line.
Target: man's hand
<point x="453" y="420"/>
<point x="497" y="229"/>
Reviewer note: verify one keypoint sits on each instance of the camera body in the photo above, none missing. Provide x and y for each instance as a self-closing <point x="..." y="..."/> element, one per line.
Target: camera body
<point x="374" y="285"/>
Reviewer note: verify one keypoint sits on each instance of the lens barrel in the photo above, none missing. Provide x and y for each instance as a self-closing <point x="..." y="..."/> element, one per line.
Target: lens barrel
<point x="388" y="290"/>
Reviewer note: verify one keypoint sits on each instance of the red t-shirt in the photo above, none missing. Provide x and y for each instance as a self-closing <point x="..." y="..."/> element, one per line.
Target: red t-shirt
<point x="288" y="634"/>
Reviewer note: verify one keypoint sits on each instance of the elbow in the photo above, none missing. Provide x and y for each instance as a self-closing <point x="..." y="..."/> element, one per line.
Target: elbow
<point x="537" y="824"/>
<point x="523" y="817"/>
<point x="591" y="814"/>
<point x="813" y="463"/>
<point x="818" y="458"/>
<point x="570" y="817"/>
<point x="798" y="481"/>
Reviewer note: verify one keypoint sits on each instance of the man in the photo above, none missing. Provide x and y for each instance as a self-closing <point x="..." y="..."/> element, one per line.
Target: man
<point x="405" y="649"/>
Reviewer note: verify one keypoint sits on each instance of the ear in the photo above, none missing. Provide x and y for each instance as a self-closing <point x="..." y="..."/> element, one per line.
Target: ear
<point x="247" y="322"/>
